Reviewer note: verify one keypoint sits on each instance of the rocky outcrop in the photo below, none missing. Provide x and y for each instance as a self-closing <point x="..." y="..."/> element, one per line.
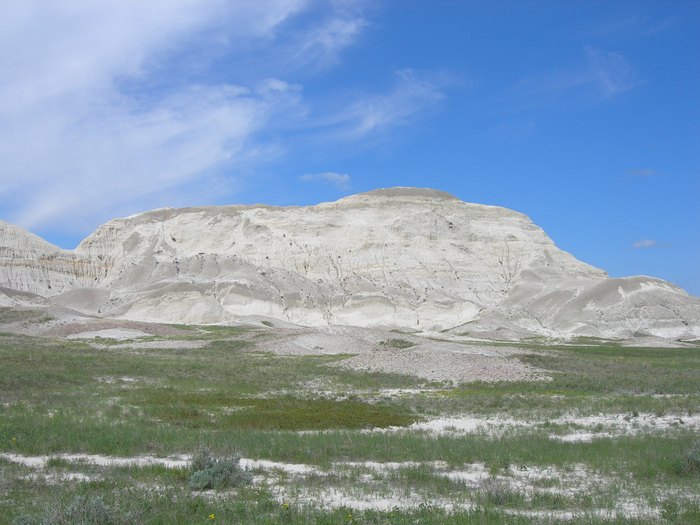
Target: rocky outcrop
<point x="402" y="257"/>
<point x="30" y="264"/>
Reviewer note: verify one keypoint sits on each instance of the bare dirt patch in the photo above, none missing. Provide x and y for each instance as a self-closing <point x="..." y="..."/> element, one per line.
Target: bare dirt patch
<point x="110" y="333"/>
<point x="441" y="361"/>
<point x="377" y="350"/>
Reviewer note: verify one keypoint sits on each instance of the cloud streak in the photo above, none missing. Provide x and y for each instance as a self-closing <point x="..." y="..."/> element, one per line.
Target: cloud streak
<point x="340" y="180"/>
<point x="601" y="76"/>
<point x="112" y="108"/>
<point x="81" y="134"/>
<point x="611" y="71"/>
<point x="645" y="243"/>
<point x="108" y="109"/>
<point x="412" y="95"/>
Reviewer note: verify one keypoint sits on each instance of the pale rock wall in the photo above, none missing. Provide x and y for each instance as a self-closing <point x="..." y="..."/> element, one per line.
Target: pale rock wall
<point x="387" y="258"/>
<point x="28" y="263"/>
<point x="402" y="257"/>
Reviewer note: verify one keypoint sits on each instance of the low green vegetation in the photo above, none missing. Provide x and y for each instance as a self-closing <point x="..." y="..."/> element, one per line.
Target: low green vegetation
<point x="397" y="343"/>
<point x="17" y="315"/>
<point x="59" y="397"/>
<point x="213" y="411"/>
<point x="211" y="473"/>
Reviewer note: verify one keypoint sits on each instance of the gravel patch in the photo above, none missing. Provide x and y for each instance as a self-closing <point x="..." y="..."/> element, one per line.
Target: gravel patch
<point x="176" y="344"/>
<point x="381" y="350"/>
<point x="72" y="326"/>
<point x="110" y="333"/>
<point x="435" y="364"/>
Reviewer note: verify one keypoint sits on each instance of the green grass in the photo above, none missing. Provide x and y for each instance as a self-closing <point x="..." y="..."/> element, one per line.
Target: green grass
<point x="609" y="379"/>
<point x="397" y="343"/>
<point x="203" y="410"/>
<point x="247" y="507"/>
<point x="64" y="396"/>
<point x="623" y="370"/>
<point x="119" y="497"/>
<point x="15" y="315"/>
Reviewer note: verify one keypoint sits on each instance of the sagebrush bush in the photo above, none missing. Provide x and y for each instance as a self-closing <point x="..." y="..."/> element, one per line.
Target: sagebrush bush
<point x="689" y="464"/>
<point x="208" y="472"/>
<point x="81" y="510"/>
<point x="497" y="492"/>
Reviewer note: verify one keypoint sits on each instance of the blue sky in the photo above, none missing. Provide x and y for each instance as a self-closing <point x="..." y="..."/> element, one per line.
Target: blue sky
<point x="585" y="115"/>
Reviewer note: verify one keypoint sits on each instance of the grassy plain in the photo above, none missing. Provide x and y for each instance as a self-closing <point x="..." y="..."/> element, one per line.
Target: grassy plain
<point x="59" y="397"/>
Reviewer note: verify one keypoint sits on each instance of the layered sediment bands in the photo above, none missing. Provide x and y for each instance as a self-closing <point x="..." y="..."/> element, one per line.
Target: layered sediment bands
<point x="401" y="257"/>
<point x="30" y="264"/>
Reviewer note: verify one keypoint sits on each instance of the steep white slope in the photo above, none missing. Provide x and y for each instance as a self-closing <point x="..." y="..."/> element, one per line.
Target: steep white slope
<point x="30" y="264"/>
<point x="406" y="257"/>
<point x="401" y="257"/>
<point x="606" y="308"/>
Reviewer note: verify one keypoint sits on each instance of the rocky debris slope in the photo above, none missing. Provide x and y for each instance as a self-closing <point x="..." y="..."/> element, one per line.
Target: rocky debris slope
<point x="401" y="257"/>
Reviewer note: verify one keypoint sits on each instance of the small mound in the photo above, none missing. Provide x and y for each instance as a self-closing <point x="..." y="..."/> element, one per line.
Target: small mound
<point x="401" y="191"/>
<point x="110" y="333"/>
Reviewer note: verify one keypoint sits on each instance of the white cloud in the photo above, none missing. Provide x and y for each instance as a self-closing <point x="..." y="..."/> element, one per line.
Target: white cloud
<point x="322" y="45"/>
<point x="411" y="95"/>
<point x="645" y="243"/>
<point x="339" y="180"/>
<point x="82" y="132"/>
<point x="631" y="26"/>
<point x="314" y="45"/>
<point x="603" y="75"/>
<point x="611" y="71"/>
<point x="109" y="108"/>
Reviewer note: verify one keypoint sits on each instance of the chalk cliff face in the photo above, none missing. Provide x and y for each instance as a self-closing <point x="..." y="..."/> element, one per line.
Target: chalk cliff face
<point x="30" y="264"/>
<point x="401" y="257"/>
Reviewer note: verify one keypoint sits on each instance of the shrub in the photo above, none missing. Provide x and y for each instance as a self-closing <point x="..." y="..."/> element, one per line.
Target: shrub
<point x="208" y="472"/>
<point x="497" y="492"/>
<point x="675" y="511"/>
<point x="689" y="463"/>
<point x="81" y="510"/>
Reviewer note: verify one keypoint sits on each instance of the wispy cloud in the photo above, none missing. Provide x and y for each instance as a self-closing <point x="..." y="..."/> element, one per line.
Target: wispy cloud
<point x="339" y="180"/>
<point x="611" y="71"/>
<point x="599" y="76"/>
<point x="106" y="109"/>
<point x="642" y="172"/>
<point x="112" y="108"/>
<point x="313" y="46"/>
<point x="82" y="132"/>
<point x="412" y="94"/>
<point x="633" y="25"/>
<point x="645" y="243"/>
<point x="322" y="44"/>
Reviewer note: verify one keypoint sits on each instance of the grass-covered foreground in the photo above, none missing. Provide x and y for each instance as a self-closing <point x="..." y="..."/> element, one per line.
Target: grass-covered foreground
<point x="612" y="438"/>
